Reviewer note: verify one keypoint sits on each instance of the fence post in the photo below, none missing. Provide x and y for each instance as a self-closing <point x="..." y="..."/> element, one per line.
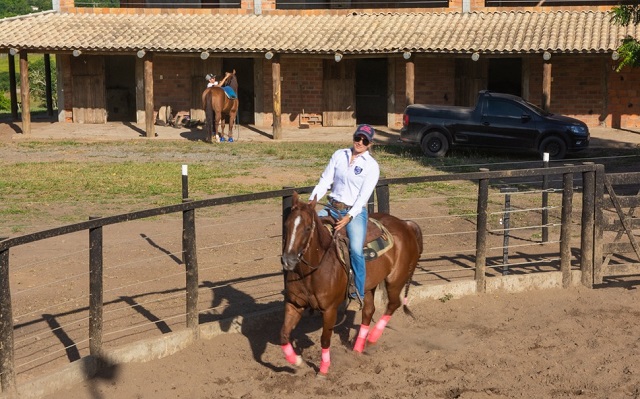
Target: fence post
<point x="565" y="229"/>
<point x="481" y="233"/>
<point x="96" y="289"/>
<point x="371" y="203"/>
<point x="7" y="365"/>
<point x="287" y="203"/>
<point x="587" y="233"/>
<point x="382" y="193"/>
<point x="506" y="221"/>
<point x="191" y="267"/>
<point x="545" y="199"/>
<point x="599" y="225"/>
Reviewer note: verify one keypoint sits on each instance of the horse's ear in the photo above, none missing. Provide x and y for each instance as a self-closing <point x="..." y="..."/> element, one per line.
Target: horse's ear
<point x="296" y="197"/>
<point x="314" y="201"/>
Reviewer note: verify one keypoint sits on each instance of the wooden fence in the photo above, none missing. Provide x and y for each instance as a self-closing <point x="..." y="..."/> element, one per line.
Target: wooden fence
<point x="617" y="225"/>
<point x="589" y="174"/>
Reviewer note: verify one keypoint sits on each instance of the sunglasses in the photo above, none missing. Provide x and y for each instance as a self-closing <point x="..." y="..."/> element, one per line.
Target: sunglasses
<point x="358" y="139"/>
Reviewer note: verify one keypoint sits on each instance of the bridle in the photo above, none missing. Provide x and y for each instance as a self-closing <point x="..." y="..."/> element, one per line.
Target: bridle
<point x="300" y="256"/>
<point x="306" y="247"/>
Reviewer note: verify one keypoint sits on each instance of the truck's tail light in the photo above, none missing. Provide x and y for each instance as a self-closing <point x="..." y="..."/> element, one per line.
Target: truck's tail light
<point x="405" y="120"/>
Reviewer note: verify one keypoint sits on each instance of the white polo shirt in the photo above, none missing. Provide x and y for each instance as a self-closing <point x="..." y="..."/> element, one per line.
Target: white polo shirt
<point x="351" y="184"/>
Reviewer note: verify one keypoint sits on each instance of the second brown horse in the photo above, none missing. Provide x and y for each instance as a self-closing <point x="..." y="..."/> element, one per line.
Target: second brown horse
<point x="317" y="278"/>
<point x="217" y="105"/>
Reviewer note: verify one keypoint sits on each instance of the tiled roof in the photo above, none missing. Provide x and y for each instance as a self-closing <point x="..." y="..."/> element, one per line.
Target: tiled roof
<point x="356" y="33"/>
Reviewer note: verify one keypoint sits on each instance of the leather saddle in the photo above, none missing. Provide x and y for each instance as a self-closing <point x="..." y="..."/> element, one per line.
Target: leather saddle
<point x="378" y="239"/>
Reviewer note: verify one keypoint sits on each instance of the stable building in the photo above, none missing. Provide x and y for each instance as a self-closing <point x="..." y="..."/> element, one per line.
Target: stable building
<point x="327" y="63"/>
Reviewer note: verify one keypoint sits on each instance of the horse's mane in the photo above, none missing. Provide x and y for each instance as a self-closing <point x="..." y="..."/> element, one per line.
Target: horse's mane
<point x="233" y="82"/>
<point x="324" y="235"/>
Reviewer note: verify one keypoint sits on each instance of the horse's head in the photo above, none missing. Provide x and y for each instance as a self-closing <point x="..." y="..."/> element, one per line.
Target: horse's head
<point x="299" y="229"/>
<point x="233" y="81"/>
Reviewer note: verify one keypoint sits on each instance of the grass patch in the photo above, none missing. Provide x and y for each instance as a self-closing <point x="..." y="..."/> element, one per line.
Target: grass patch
<point x="57" y="182"/>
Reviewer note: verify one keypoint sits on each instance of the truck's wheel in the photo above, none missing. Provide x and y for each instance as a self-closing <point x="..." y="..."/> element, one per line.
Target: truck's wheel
<point x="434" y="144"/>
<point x="555" y="146"/>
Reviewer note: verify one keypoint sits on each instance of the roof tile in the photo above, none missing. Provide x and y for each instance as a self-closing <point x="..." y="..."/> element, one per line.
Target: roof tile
<point x="357" y="33"/>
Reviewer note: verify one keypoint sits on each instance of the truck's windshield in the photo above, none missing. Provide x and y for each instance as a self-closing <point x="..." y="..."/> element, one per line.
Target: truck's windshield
<point x="538" y="109"/>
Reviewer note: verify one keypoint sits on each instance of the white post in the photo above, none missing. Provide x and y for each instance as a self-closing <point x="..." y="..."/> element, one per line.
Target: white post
<point x="185" y="182"/>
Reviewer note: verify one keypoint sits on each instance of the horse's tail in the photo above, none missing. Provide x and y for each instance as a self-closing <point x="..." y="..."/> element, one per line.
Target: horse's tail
<point x="208" y="113"/>
<point x="418" y="235"/>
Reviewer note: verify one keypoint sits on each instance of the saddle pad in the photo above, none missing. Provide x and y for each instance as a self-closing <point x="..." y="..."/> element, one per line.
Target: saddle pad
<point x="231" y="94"/>
<point x="382" y="242"/>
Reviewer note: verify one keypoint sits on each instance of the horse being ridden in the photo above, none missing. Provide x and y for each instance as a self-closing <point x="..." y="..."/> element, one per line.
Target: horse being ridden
<point x="317" y="278"/>
<point x="217" y="104"/>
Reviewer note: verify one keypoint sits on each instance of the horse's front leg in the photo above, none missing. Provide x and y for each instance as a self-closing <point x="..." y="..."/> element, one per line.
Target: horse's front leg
<point x="329" y="317"/>
<point x="232" y="121"/>
<point x="292" y="316"/>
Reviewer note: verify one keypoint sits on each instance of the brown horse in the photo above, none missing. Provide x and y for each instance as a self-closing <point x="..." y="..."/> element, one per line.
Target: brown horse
<point x="317" y="278"/>
<point x="217" y="105"/>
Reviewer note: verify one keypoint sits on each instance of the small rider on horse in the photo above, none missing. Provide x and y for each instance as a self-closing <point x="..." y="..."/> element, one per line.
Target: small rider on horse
<point x="227" y="83"/>
<point x="352" y="175"/>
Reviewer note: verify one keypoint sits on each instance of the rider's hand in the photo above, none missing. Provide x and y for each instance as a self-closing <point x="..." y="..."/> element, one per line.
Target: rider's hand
<point x="343" y="222"/>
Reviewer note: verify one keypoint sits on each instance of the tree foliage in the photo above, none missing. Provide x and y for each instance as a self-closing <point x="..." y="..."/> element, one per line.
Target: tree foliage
<point x="629" y="50"/>
<point x="12" y="8"/>
<point x="98" y="3"/>
<point x="37" y="84"/>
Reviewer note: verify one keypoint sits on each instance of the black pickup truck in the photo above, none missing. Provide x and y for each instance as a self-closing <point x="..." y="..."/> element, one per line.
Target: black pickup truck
<point x="498" y="120"/>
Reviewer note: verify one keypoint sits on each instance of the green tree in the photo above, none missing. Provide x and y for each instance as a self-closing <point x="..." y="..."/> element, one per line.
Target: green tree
<point x="5" y="102"/>
<point x="37" y="80"/>
<point x="11" y="8"/>
<point x="629" y="50"/>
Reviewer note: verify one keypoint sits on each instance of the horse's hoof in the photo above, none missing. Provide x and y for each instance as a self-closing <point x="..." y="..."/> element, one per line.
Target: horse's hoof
<point x="321" y="376"/>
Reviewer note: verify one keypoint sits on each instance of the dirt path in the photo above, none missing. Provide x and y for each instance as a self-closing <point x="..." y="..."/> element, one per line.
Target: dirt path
<point x="540" y="344"/>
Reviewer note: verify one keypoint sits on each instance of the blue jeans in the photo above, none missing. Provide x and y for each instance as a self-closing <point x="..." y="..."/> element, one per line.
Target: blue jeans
<point x="357" y="233"/>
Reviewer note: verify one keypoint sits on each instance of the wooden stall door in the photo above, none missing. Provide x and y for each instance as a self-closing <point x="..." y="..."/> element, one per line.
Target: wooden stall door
<point x="471" y="77"/>
<point x="339" y="88"/>
<point x="89" y="96"/>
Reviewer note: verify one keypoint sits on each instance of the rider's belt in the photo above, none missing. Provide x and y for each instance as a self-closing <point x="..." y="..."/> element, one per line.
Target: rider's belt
<point x="341" y="206"/>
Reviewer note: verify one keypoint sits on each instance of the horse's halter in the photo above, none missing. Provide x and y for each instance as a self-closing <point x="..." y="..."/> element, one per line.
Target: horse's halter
<point x="306" y="247"/>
